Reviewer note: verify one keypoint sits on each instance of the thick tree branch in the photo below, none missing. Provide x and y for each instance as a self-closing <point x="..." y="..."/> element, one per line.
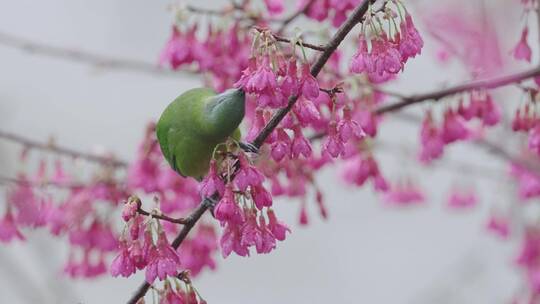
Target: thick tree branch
<point x="50" y="147"/>
<point x="342" y="32"/>
<point x="475" y="85"/>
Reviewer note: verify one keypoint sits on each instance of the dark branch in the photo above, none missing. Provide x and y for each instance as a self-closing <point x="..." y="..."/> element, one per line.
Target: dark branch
<point x="475" y="85"/>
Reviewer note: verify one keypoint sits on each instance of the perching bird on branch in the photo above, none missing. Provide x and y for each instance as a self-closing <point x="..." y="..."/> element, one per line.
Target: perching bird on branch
<point x="195" y="123"/>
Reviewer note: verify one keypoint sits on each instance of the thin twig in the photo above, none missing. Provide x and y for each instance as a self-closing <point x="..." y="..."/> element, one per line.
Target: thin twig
<point x="342" y="32"/>
<point x="320" y="48"/>
<point x="86" y="57"/>
<point x="471" y="86"/>
<point x="32" y="144"/>
<point x="181" y="221"/>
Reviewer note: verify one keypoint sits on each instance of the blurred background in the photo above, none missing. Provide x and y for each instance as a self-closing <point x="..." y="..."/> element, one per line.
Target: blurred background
<point x="364" y="253"/>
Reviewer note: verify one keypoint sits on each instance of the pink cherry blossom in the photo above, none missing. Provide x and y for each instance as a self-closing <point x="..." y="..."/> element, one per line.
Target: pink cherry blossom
<point x="278" y="228"/>
<point x="348" y="128"/>
<point x="122" y="264"/>
<point x="499" y="226"/>
<point x="8" y="228"/>
<point x="261" y="197"/>
<point x="431" y="140"/>
<point x="212" y="182"/>
<point x="308" y="84"/>
<point x="333" y="145"/>
<point x="460" y="198"/>
<point x="247" y="175"/>
<point x="275" y="7"/>
<point x="227" y="210"/>
<point x="522" y="51"/>
<point x="163" y="260"/>
<point x="282" y="146"/>
<point x="300" y="145"/>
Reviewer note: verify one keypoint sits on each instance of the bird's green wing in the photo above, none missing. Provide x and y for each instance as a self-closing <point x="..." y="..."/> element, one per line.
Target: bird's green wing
<point x="189" y="155"/>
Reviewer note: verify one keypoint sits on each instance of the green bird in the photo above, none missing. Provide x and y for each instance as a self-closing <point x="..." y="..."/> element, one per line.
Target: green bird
<point x="196" y="122"/>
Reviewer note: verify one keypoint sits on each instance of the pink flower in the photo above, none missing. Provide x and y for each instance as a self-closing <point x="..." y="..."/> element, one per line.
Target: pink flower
<point x="522" y="51"/>
<point x="130" y="209"/>
<point x="29" y="209"/>
<point x="197" y="253"/>
<point x="275" y="7"/>
<point x="460" y="199"/>
<point x="404" y="195"/>
<point x="227" y="210"/>
<point x="262" y="81"/>
<point x="300" y="145"/>
<point x="267" y="241"/>
<point x="368" y="122"/>
<point x="278" y="228"/>
<point x="122" y="264"/>
<point x="231" y="240"/>
<point x="290" y="84"/>
<point x="247" y="175"/>
<point x="454" y="128"/>
<point x="347" y="127"/>
<point x="499" y="226"/>
<point x="534" y="139"/>
<point x="261" y="197"/>
<point x="212" y="182"/>
<point x="303" y="215"/>
<point x="333" y="144"/>
<point x="163" y="260"/>
<point x="308" y="84"/>
<point x="361" y="60"/>
<point x="411" y="42"/>
<point x="431" y="140"/>
<point x="178" y="49"/>
<point x="282" y="146"/>
<point x="8" y="228"/>
<point x="306" y="111"/>
<point x="386" y="58"/>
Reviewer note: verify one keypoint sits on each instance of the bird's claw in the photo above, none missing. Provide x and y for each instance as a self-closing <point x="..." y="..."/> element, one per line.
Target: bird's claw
<point x="247" y="147"/>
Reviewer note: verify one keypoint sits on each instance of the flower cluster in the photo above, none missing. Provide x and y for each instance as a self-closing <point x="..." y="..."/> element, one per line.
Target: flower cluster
<point x="223" y="65"/>
<point x="454" y="127"/>
<point x="75" y="214"/>
<point x="462" y="198"/>
<point x="240" y="211"/>
<point x="526" y="120"/>
<point x="382" y="54"/>
<point x="404" y="194"/>
<point x="321" y="10"/>
<point x="139" y="250"/>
